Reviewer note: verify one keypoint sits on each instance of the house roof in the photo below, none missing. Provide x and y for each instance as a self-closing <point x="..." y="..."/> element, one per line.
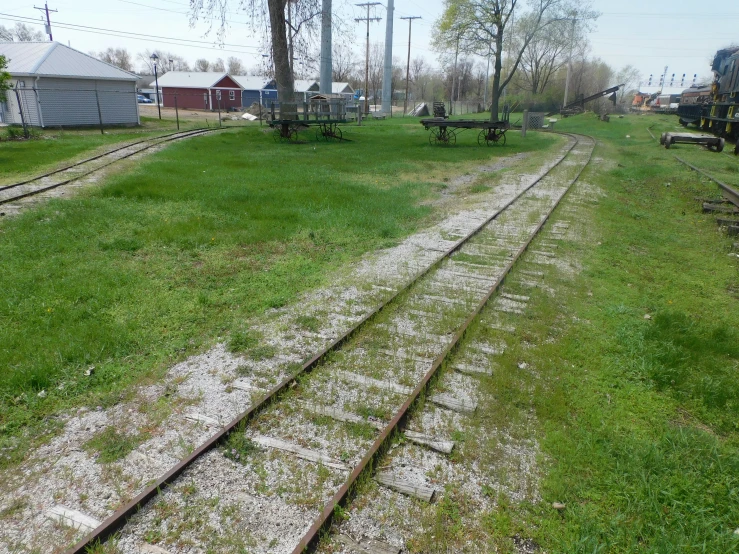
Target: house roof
<point x="252" y="82"/>
<point x="304" y="85"/>
<point x="338" y="88"/>
<point x="189" y="79"/>
<point x="52" y="59"/>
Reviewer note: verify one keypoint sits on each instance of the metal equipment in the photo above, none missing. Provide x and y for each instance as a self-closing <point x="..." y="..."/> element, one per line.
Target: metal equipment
<point x="578" y="106"/>
<point x="324" y="111"/>
<point x="445" y="131"/>
<point x="714" y="143"/>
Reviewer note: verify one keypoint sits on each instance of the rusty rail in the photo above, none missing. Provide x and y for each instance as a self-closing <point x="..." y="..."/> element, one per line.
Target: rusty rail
<point x="380" y="445"/>
<point x="730" y="193"/>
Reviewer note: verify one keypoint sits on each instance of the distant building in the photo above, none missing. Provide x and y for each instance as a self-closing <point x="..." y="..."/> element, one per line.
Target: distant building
<point x="304" y="89"/>
<point x="57" y="86"/>
<point x="257" y="88"/>
<point x="199" y="90"/>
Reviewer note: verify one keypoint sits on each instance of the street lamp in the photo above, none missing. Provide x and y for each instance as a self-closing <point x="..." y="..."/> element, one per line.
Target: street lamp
<point x="154" y="58"/>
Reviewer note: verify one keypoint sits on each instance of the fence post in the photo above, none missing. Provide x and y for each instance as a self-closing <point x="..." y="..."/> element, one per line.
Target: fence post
<point x="219" y="112"/>
<point x="20" y="109"/>
<point x="100" y="113"/>
<point x="176" y="112"/>
<point x="525" y="123"/>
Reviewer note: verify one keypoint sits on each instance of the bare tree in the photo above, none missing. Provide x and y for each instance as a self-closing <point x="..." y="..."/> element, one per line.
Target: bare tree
<point x="218" y="66"/>
<point x="201" y="64"/>
<point x="119" y="57"/>
<point x="167" y="62"/>
<point x="235" y="66"/>
<point x="546" y="53"/>
<point x="21" y="33"/>
<point x="343" y="64"/>
<point x="628" y="76"/>
<point x="376" y="67"/>
<point x="484" y="25"/>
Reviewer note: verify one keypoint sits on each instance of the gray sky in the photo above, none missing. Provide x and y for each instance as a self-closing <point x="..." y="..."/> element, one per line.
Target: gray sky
<point x="649" y="36"/>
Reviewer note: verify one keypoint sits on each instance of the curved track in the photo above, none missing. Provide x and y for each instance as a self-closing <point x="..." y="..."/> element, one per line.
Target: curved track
<point x="71" y="173"/>
<point x="431" y="291"/>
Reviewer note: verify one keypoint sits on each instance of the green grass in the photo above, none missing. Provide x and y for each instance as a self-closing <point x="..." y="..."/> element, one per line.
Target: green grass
<point x="110" y="445"/>
<point x="184" y="248"/>
<point x="637" y="417"/>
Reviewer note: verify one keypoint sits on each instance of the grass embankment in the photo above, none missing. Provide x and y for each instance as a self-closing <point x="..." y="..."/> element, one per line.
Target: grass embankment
<point x="161" y="261"/>
<point x="636" y="362"/>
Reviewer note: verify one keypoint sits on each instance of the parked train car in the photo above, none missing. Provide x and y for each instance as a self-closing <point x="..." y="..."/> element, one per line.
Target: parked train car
<point x="720" y="113"/>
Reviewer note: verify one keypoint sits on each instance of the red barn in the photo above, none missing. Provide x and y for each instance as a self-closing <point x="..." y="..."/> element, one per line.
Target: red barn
<point x="199" y="90"/>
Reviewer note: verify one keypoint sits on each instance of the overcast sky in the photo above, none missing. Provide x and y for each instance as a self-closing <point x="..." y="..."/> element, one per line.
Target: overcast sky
<point x="647" y="35"/>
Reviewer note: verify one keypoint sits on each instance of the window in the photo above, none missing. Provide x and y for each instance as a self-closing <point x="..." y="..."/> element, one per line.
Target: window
<point x="218" y="94"/>
<point x="232" y="95"/>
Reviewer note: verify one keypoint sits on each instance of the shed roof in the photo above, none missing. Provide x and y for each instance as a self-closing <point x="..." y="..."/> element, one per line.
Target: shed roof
<point x="338" y="88"/>
<point x="252" y="82"/>
<point x="190" y="79"/>
<point x="52" y="59"/>
<point x="305" y="85"/>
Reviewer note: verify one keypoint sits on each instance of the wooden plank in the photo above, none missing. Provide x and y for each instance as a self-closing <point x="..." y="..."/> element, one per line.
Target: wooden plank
<point x="469" y="275"/>
<point x="401" y="354"/>
<point x="370" y="382"/>
<point x="243" y="386"/>
<point x="433" y="298"/>
<point x="72" y="518"/>
<point x="486" y="348"/>
<point x="299" y="451"/>
<point x="509" y="309"/>
<point x="472" y="370"/>
<point x="516" y="297"/>
<point x="204" y="419"/>
<point x="405" y="487"/>
<point x="542" y="253"/>
<point x="340" y="415"/>
<point x="448" y="401"/>
<point x="532" y="273"/>
<point x="434" y="443"/>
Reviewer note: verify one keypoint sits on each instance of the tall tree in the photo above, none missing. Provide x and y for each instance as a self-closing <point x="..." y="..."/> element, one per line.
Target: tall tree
<point x="343" y="64"/>
<point x="201" y="64"/>
<point x="235" y="66"/>
<point x="167" y="62"/>
<point x="218" y="66"/>
<point x="119" y="57"/>
<point x="486" y="24"/>
<point x="21" y="33"/>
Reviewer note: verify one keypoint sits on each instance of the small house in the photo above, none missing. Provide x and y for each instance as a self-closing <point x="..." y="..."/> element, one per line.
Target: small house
<point x="199" y="90"/>
<point x="256" y="88"/>
<point x="54" y="85"/>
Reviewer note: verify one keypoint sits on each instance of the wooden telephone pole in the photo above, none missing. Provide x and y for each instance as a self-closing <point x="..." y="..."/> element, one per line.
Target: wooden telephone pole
<point x="367" y="5"/>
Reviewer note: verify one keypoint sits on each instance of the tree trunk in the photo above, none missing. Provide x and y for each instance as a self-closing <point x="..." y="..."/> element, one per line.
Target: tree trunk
<point x="280" y="54"/>
<point x="496" y="78"/>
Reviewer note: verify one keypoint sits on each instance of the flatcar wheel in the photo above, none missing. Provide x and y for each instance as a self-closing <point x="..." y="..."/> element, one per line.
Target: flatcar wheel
<point x="500" y="139"/>
<point x="482" y="138"/>
<point x="337" y="134"/>
<point x="662" y="139"/>
<point x="451" y="138"/>
<point x="277" y="134"/>
<point x="319" y="134"/>
<point x="668" y="140"/>
<point x="736" y="148"/>
<point x="720" y="145"/>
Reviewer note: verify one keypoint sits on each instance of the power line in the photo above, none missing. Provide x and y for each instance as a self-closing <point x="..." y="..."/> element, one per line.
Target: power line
<point x="410" y="19"/>
<point x="122" y="34"/>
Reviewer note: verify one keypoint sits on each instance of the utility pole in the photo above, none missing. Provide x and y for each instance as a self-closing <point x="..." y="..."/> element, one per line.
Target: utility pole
<point x="387" y="72"/>
<point x="367" y="5"/>
<point x="48" y="20"/>
<point x="454" y="76"/>
<point x="408" y="63"/>
<point x="326" y="49"/>
<point x="569" y="61"/>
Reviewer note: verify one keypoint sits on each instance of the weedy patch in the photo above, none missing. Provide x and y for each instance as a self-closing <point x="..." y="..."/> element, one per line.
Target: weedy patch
<point x="239" y="448"/>
<point x="110" y="445"/>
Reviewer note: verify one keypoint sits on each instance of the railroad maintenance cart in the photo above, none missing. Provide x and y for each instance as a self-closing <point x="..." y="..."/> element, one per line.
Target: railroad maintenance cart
<point x="325" y="112"/>
<point x="444" y="131"/>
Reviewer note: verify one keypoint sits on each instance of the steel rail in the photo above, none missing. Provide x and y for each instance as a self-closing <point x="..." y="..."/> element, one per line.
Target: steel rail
<point x="184" y="134"/>
<point x="50" y="173"/>
<point x="649" y="130"/>
<point x="121" y="516"/>
<point x="324" y="521"/>
<point x="730" y="193"/>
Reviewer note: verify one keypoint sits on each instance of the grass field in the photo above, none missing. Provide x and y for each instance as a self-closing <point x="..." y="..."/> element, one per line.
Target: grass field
<point x="183" y="248"/>
<point x="636" y="360"/>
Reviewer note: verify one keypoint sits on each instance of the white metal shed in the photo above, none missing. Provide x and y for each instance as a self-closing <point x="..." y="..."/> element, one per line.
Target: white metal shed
<point x="57" y="86"/>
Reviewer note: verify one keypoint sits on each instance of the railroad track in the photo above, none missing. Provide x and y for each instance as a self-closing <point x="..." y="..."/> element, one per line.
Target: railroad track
<point x="66" y="175"/>
<point x="729" y="192"/>
<point x="326" y="425"/>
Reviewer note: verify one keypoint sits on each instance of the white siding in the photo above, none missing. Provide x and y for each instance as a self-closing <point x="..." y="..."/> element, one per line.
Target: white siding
<point x="28" y="102"/>
<point x="72" y="102"/>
